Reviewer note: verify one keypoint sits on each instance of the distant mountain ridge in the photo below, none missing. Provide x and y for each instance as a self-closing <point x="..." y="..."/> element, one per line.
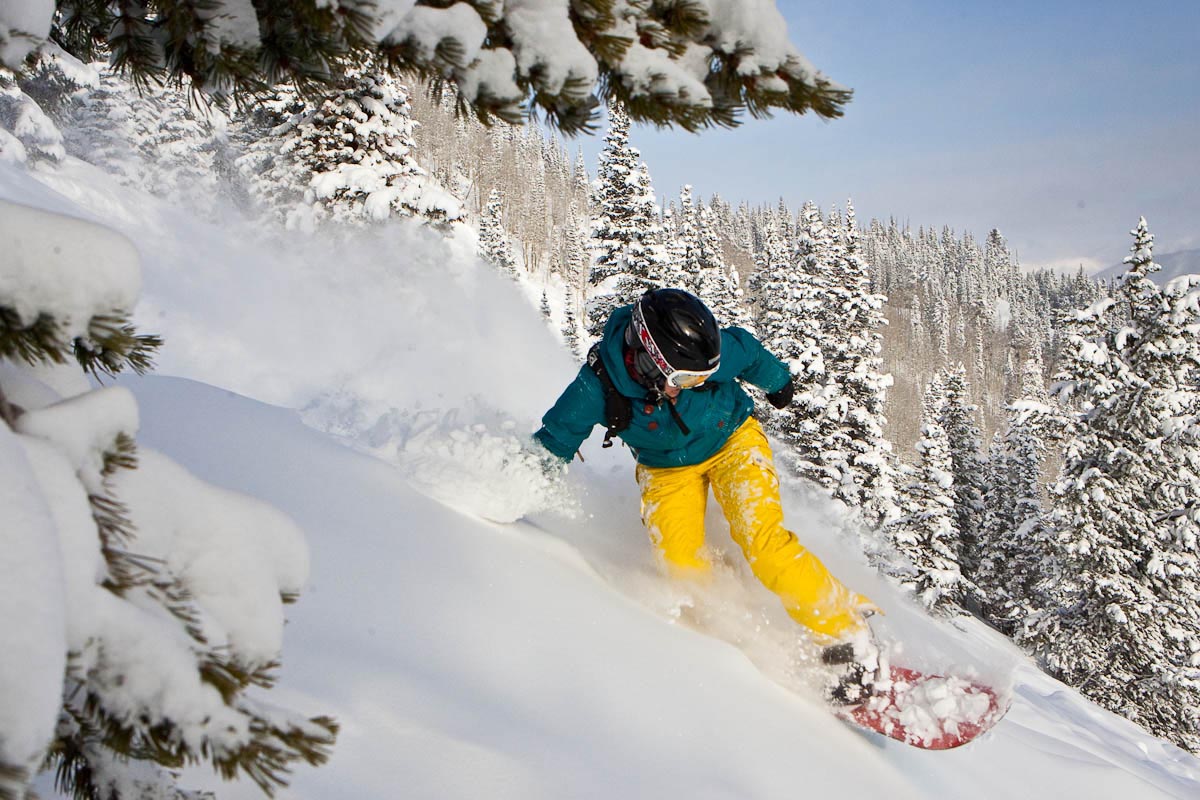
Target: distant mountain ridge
<point x="1182" y="262"/>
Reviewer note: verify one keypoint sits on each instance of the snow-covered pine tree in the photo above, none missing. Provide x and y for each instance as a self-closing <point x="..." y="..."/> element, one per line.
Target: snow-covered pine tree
<point x="686" y="243"/>
<point x="29" y="107"/>
<point x="494" y="246"/>
<point x="979" y="362"/>
<point x="275" y="182"/>
<point x="536" y="219"/>
<point x="784" y="221"/>
<point x="718" y="286"/>
<point x="676" y="250"/>
<point x="570" y="327"/>
<point x="998" y="521"/>
<point x="575" y="271"/>
<point x="581" y="182"/>
<point x="721" y="218"/>
<point x="793" y="293"/>
<point x="916" y="320"/>
<point x="1119" y="617"/>
<point x="927" y="534"/>
<point x="1015" y="550"/>
<point x="774" y="300"/>
<point x="964" y="440"/>
<point x="153" y="138"/>
<point x="743" y="230"/>
<point x="355" y="145"/>
<point x="941" y="327"/>
<point x="627" y="252"/>
<point x="851" y="346"/>
<point x="141" y="604"/>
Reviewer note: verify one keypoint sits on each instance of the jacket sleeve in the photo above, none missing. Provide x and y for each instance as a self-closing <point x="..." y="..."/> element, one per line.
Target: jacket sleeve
<point x="579" y="409"/>
<point x="755" y="364"/>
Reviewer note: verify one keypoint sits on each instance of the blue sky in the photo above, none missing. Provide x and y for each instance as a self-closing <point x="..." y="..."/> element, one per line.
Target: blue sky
<point x="1057" y="122"/>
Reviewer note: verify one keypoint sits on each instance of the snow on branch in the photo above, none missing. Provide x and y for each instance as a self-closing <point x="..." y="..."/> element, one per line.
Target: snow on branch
<point x="141" y="603"/>
<point x="691" y="63"/>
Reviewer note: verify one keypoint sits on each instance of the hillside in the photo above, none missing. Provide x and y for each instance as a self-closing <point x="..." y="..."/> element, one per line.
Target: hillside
<point x="542" y="658"/>
<point x="277" y="253"/>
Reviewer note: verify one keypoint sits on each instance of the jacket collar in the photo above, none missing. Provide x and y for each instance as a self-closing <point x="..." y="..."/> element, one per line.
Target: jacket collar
<point x="611" y="346"/>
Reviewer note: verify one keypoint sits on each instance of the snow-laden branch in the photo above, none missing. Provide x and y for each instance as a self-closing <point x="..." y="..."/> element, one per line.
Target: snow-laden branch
<point x="691" y="63"/>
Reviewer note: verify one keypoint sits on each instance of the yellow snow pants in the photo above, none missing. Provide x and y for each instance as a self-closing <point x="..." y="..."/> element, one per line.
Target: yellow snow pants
<point x="743" y="479"/>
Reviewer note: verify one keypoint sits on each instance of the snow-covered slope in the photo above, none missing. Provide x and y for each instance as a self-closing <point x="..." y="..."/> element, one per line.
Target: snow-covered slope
<point x="544" y="658"/>
<point x="468" y="659"/>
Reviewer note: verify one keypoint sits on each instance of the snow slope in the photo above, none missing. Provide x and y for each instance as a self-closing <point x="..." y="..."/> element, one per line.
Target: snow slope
<point x="544" y="658"/>
<point x="469" y="659"/>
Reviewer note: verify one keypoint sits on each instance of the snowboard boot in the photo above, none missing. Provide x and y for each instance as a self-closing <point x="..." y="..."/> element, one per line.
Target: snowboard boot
<point x="855" y="669"/>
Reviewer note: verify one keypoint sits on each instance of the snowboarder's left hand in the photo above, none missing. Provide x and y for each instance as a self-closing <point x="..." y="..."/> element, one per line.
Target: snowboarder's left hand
<point x="782" y="397"/>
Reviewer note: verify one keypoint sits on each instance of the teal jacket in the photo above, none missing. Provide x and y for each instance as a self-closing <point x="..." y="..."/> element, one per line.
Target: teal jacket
<point x="711" y="412"/>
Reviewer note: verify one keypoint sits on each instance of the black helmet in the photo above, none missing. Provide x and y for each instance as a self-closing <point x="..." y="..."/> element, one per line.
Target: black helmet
<point x="680" y="335"/>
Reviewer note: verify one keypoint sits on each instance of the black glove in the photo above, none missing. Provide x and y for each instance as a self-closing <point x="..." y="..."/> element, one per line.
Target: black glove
<point x="783" y="397"/>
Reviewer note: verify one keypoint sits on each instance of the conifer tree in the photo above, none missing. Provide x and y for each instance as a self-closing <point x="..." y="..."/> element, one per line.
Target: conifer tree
<point x="152" y="138"/>
<point x="28" y="107"/>
<point x="794" y="300"/>
<point x="782" y="323"/>
<point x="494" y="246"/>
<point x="686" y="238"/>
<point x="1015" y="549"/>
<point x="580" y="181"/>
<point x="743" y="230"/>
<point x="132" y="663"/>
<point x="575" y="273"/>
<point x="926" y="534"/>
<point x="966" y="464"/>
<point x="979" y="365"/>
<point x="275" y="182"/>
<point x="627" y="251"/>
<point x="851" y="344"/>
<point x="942" y="329"/>
<point x="570" y="328"/>
<point x="349" y="157"/>
<point x="679" y="245"/>
<point x="997" y="525"/>
<point x="1119" y="617"/>
<point x="916" y="321"/>
<point x="777" y="314"/>
<point x="718" y="285"/>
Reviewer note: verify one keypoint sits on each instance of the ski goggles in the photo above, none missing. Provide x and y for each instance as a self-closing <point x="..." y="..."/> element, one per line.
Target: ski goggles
<point x="650" y="352"/>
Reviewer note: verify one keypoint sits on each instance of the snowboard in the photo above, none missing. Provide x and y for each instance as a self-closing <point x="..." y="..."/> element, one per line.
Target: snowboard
<point x="932" y="712"/>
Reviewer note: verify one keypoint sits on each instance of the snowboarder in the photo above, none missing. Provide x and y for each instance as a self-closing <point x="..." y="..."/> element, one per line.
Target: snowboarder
<point x="664" y="377"/>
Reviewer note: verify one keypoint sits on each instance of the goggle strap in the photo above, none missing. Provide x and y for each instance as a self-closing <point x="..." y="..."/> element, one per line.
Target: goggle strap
<point x="642" y="330"/>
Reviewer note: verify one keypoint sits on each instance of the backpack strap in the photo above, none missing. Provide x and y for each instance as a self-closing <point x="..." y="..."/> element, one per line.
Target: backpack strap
<point x="618" y="409"/>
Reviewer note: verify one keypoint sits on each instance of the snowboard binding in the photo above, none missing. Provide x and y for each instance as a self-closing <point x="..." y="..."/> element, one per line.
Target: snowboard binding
<point x="856" y="668"/>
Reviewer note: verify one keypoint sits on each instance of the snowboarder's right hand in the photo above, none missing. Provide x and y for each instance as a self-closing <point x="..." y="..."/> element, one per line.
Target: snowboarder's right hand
<point x="552" y="467"/>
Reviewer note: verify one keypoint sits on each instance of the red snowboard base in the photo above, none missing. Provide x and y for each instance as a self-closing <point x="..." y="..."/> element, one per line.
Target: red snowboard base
<point x="932" y="712"/>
